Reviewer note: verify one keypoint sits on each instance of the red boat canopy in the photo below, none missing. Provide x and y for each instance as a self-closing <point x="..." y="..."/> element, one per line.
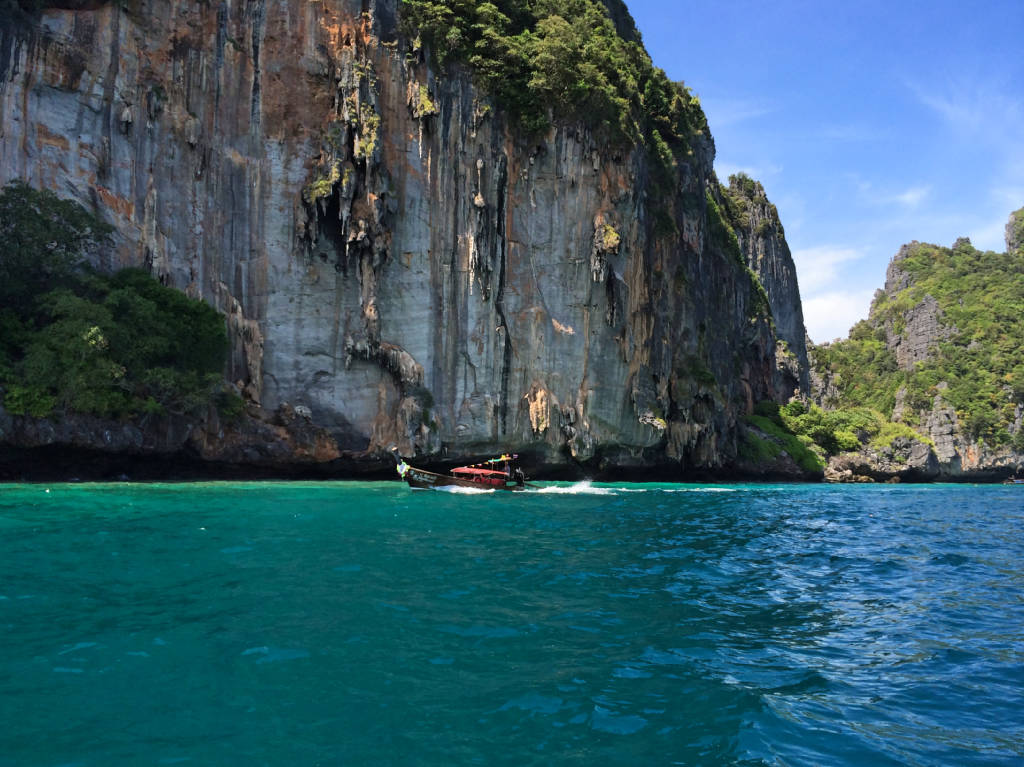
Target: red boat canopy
<point x="473" y="471"/>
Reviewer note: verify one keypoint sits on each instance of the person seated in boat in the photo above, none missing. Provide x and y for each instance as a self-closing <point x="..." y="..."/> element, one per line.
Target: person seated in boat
<point x="519" y="477"/>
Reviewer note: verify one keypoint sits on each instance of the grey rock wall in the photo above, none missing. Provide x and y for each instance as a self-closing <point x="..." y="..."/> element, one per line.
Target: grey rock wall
<point x="922" y="329"/>
<point x="388" y="253"/>
<point x="1015" y="231"/>
<point x="762" y="241"/>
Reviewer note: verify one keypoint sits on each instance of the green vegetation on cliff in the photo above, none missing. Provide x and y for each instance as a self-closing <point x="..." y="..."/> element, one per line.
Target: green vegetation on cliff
<point x="731" y="215"/>
<point x="73" y="341"/>
<point x="975" y="363"/>
<point x="810" y="434"/>
<point x="740" y="196"/>
<point x="568" y="56"/>
<point x="779" y="436"/>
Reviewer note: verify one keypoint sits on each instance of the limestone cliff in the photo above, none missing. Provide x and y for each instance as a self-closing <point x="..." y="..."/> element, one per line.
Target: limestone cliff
<point x="390" y="253"/>
<point x="762" y="240"/>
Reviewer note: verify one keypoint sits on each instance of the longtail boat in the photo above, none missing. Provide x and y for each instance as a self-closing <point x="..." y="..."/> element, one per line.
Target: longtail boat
<point x="493" y="474"/>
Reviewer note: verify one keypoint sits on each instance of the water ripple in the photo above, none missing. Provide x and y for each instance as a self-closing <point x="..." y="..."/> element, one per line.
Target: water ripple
<point x="304" y="623"/>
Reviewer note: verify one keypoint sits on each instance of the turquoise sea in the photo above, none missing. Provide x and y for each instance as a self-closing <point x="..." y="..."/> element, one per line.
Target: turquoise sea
<point x="367" y="624"/>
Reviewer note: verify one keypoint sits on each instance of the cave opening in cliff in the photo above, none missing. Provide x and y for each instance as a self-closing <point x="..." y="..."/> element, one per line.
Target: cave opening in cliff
<point x="330" y="228"/>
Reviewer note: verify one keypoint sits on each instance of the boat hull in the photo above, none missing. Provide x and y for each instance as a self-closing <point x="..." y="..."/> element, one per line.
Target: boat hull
<point x="422" y="479"/>
<point x="478" y="476"/>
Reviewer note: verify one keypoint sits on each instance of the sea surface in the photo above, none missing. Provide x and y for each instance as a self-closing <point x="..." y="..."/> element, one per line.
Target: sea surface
<point x="368" y="624"/>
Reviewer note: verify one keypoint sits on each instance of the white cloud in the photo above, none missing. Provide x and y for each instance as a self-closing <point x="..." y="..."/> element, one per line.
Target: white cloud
<point x="829" y="316"/>
<point x="912" y="197"/>
<point x="819" y="267"/>
<point x="830" y="305"/>
<point x="726" y="112"/>
<point x="982" y="107"/>
<point x="848" y="132"/>
<point x="757" y="172"/>
<point x="990" y="235"/>
<point x="1009" y="197"/>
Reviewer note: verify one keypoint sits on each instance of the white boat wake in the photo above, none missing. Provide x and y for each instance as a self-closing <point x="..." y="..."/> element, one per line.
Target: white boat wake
<point x="579" y="488"/>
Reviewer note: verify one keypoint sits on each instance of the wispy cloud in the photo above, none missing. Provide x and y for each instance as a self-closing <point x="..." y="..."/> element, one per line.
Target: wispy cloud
<point x="819" y="267"/>
<point x="983" y="111"/>
<point x="850" y="132"/>
<point x="956" y="111"/>
<point x="725" y="112"/>
<point x="991" y="235"/>
<point x="760" y="172"/>
<point x="829" y="316"/>
<point x="1010" y="197"/>
<point x="830" y="305"/>
<point x="981" y="107"/>
<point x="909" y="197"/>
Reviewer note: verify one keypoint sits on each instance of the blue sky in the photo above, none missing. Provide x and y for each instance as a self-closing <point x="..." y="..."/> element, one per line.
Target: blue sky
<point x="870" y="123"/>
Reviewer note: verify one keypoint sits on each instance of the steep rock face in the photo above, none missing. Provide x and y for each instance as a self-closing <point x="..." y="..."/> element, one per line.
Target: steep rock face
<point x="905" y="460"/>
<point x="1015" y="231"/>
<point x="388" y="254"/>
<point x="959" y="456"/>
<point x="896" y="277"/>
<point x="920" y="327"/>
<point x="762" y="241"/>
<point x="284" y="436"/>
<point x="823" y="391"/>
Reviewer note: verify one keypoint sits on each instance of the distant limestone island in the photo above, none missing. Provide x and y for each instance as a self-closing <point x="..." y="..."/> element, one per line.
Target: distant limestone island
<point x="930" y="387"/>
<point x="281" y="242"/>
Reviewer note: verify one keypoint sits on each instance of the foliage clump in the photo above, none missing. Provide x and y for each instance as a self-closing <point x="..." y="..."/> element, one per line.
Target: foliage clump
<point x="846" y="429"/>
<point x="862" y="368"/>
<point x="73" y="341"/>
<point x="767" y="420"/>
<point x="741" y="197"/>
<point x="609" y="239"/>
<point x="721" y="232"/>
<point x="322" y="186"/>
<point x="810" y="435"/>
<point x="566" y="56"/>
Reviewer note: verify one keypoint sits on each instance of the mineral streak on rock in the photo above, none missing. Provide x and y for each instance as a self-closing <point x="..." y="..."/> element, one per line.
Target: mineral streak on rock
<point x="389" y="252"/>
